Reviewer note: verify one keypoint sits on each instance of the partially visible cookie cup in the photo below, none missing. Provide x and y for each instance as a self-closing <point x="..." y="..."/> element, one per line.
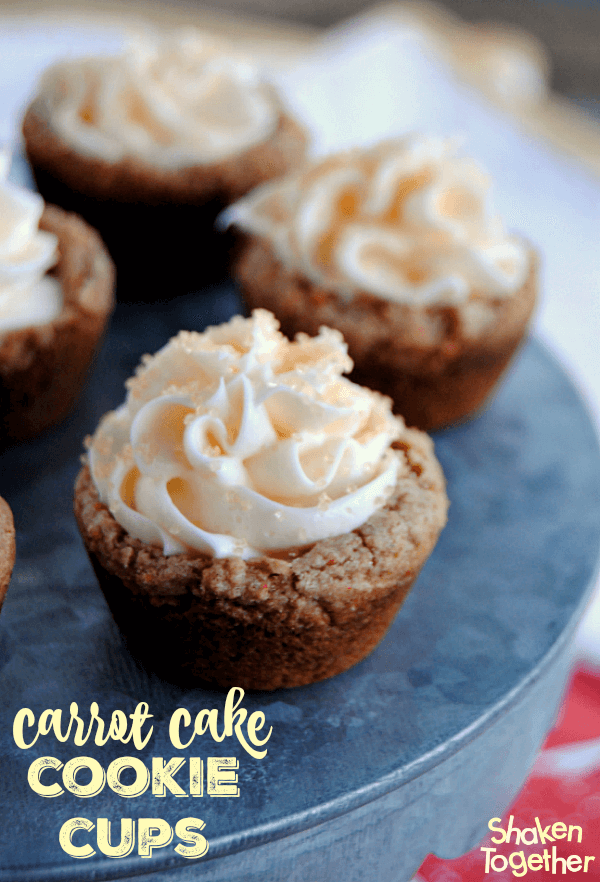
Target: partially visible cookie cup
<point x="276" y="620"/>
<point x="7" y="547"/>
<point x="43" y="367"/>
<point x="437" y="369"/>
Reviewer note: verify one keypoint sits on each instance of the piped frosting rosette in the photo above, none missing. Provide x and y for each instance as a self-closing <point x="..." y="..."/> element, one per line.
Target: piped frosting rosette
<point x="27" y="295"/>
<point x="236" y="440"/>
<point x="176" y="100"/>
<point x="408" y="220"/>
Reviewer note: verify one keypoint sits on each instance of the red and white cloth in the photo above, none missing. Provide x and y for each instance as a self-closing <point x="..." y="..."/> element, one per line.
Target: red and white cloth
<point x="564" y="785"/>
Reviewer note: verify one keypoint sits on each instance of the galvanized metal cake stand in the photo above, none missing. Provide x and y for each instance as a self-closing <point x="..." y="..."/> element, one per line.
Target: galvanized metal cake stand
<point x="410" y="752"/>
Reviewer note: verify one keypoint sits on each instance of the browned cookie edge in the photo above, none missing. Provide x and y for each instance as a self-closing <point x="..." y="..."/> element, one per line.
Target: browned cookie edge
<point x="267" y="622"/>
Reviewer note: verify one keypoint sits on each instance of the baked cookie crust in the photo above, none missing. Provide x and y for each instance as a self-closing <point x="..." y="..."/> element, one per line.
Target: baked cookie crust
<point x="437" y="367"/>
<point x="268" y="622"/>
<point x="7" y="547"/>
<point x="43" y="367"/>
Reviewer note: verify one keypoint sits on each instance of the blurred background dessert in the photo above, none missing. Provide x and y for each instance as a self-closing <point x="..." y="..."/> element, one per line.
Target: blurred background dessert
<point x="148" y="144"/>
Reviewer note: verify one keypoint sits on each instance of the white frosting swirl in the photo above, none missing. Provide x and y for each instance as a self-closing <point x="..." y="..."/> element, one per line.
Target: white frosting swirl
<point x="27" y="295"/>
<point x="174" y="101"/>
<point x="407" y="220"/>
<point x="236" y="440"/>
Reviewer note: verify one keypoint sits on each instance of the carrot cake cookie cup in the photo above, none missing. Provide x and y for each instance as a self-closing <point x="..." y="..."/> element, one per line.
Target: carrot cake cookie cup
<point x="254" y="518"/>
<point x="398" y="247"/>
<point x="149" y="145"/>
<point x="56" y="296"/>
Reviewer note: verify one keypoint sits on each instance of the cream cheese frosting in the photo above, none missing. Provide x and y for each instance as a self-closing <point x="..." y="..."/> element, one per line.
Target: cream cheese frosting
<point x="27" y="295"/>
<point x="408" y="220"/>
<point x="173" y="101"/>
<point x="236" y="440"/>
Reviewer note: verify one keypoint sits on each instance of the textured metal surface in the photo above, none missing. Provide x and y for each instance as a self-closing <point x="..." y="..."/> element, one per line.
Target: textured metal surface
<point x="413" y="747"/>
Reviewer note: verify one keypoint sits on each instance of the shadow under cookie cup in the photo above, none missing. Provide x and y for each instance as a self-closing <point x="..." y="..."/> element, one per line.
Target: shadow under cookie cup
<point x="157" y="223"/>
<point x="43" y="367"/>
<point x="268" y="622"/>
<point x="434" y="383"/>
<point x="7" y="547"/>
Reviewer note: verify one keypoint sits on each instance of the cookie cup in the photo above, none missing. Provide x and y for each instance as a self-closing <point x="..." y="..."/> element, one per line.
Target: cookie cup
<point x="157" y="222"/>
<point x="276" y="620"/>
<point x="7" y="547"/>
<point x="43" y="367"/>
<point x="438" y="364"/>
